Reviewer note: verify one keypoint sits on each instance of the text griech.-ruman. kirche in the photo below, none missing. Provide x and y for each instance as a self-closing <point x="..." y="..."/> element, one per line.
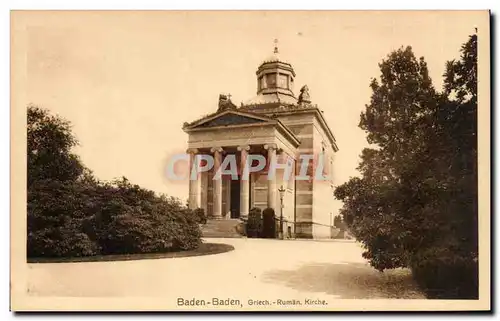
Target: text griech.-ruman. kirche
<point x="278" y="125"/>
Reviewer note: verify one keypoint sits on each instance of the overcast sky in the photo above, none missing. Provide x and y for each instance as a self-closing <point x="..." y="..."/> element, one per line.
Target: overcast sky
<point x="129" y="80"/>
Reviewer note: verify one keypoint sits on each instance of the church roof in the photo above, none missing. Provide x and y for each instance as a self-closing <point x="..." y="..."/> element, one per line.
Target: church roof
<point x="274" y="98"/>
<point x="262" y="99"/>
<point x="275" y="57"/>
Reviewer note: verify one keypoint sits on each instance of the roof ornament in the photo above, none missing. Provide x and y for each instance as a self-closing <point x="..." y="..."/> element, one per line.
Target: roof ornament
<point x="276" y="46"/>
<point x="225" y="102"/>
<point x="304" y="97"/>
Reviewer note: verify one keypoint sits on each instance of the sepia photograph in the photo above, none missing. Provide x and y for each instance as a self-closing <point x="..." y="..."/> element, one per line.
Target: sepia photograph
<point x="250" y="161"/>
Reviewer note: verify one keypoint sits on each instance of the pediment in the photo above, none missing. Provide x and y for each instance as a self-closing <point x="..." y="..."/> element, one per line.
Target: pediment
<point x="230" y="118"/>
<point x="237" y="119"/>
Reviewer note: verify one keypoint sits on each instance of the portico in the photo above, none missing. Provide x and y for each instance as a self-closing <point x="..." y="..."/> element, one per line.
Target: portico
<point x="232" y="196"/>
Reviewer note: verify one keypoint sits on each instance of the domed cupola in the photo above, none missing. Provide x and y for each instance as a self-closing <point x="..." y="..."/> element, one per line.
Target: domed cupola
<point x="275" y="75"/>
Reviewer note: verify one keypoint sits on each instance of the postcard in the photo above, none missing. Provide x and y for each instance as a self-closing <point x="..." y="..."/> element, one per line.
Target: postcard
<point x="250" y="161"/>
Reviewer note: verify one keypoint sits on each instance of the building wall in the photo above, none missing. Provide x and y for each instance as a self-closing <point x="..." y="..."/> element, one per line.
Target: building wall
<point x="259" y="191"/>
<point x="302" y="125"/>
<point x="323" y="200"/>
<point x="315" y="205"/>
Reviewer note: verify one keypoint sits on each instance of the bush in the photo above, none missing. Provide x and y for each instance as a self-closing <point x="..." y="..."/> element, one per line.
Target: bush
<point x="134" y="220"/>
<point x="200" y="215"/>
<point x="67" y="219"/>
<point x="56" y="212"/>
<point x="268" y="223"/>
<point x="71" y="213"/>
<point x="53" y="243"/>
<point x="254" y="223"/>
<point x="444" y="274"/>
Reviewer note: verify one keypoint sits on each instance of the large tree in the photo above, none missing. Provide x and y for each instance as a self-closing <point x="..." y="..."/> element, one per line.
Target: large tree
<point x="56" y="196"/>
<point x="50" y="143"/>
<point x="414" y="205"/>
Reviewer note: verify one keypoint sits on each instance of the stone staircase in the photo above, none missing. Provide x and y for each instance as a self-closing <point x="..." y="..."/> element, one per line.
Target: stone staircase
<point x="222" y="228"/>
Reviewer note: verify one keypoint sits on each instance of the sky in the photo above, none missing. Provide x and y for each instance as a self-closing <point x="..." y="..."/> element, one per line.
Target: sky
<point x="128" y="81"/>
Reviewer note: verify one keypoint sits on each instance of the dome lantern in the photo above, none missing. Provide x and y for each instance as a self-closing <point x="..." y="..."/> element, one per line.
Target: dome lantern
<point x="275" y="75"/>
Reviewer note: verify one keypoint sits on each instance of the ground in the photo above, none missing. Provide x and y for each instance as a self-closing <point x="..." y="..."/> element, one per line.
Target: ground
<point x="258" y="269"/>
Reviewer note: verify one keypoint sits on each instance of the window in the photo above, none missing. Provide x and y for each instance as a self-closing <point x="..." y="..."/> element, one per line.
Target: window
<point x="326" y="161"/>
<point x="283" y="81"/>
<point x="262" y="82"/>
<point x="271" y="80"/>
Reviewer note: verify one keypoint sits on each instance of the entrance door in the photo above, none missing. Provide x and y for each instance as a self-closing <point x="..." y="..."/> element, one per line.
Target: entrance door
<point x="235" y="198"/>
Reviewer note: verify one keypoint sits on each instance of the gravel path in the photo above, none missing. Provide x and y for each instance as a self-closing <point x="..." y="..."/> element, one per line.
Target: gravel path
<point x="258" y="269"/>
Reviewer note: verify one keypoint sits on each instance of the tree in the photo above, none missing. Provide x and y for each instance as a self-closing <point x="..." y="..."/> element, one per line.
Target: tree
<point x="56" y="199"/>
<point x="379" y="207"/>
<point x="50" y="141"/>
<point x="414" y="204"/>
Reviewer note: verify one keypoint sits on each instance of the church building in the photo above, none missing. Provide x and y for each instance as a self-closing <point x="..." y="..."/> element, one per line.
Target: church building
<point x="278" y="125"/>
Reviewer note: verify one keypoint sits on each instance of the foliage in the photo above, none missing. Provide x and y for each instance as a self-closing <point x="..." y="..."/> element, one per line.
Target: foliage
<point x="72" y="213"/>
<point x="415" y="205"/>
<point x="268" y="223"/>
<point x="200" y="215"/>
<point x="339" y="223"/>
<point x="134" y="220"/>
<point x="254" y="223"/>
<point x="49" y="144"/>
<point x="56" y="212"/>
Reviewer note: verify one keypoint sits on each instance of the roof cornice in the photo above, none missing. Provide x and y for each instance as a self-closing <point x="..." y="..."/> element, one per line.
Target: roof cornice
<point x="212" y="116"/>
<point x="319" y="116"/>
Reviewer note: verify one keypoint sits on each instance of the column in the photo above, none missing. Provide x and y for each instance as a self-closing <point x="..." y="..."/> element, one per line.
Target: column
<point x="194" y="185"/>
<point x="244" y="183"/>
<point x="271" y="179"/>
<point x="227" y="210"/>
<point x="217" y="183"/>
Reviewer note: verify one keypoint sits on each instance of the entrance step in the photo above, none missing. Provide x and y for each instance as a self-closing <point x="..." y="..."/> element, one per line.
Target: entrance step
<point x="222" y="228"/>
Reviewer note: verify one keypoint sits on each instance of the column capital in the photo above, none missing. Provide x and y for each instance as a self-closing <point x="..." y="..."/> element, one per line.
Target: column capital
<point x="243" y="147"/>
<point x="192" y="151"/>
<point x="271" y="146"/>
<point x="216" y="149"/>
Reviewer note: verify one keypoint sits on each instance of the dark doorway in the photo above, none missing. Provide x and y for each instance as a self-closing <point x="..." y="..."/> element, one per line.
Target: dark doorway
<point x="235" y="198"/>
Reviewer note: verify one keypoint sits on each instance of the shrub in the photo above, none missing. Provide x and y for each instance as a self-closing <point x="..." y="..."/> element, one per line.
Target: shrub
<point x="131" y="220"/>
<point x="200" y="215"/>
<point x="443" y="273"/>
<point x="72" y="213"/>
<point x="56" y="211"/>
<point x="254" y="223"/>
<point x="268" y="223"/>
